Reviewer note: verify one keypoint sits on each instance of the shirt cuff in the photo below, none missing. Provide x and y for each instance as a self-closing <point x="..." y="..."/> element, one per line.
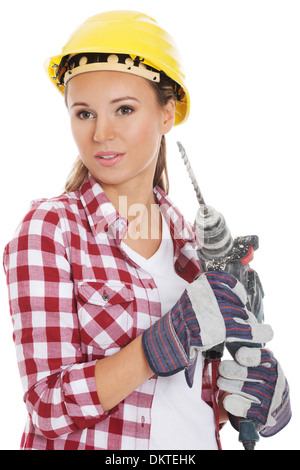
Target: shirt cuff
<point x="80" y="395"/>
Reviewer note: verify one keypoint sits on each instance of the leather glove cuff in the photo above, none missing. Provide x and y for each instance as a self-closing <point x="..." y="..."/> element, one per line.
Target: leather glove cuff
<point x="167" y="343"/>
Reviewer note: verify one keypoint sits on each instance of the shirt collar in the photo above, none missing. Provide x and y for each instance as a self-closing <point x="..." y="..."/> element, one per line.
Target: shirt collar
<point x="105" y="219"/>
<point x="181" y="231"/>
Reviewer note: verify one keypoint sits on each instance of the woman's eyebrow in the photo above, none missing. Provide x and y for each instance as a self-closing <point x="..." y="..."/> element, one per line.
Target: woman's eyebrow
<point x="79" y="104"/>
<point x="125" y="98"/>
<point x="116" y="100"/>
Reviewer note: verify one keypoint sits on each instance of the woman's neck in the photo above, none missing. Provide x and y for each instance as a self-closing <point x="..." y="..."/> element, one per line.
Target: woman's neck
<point x="137" y="204"/>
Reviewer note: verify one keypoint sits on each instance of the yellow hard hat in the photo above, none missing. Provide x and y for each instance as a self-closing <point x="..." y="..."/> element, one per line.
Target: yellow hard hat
<point x="131" y="42"/>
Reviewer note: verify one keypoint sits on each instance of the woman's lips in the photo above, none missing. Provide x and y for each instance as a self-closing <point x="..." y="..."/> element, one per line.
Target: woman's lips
<point x="109" y="158"/>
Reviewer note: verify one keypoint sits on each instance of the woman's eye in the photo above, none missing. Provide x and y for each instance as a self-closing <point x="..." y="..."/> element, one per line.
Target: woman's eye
<point x="85" y="115"/>
<point x="125" y="110"/>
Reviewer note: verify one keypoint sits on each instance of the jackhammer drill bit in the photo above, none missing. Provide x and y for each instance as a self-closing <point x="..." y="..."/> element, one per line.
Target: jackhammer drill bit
<point x="220" y="252"/>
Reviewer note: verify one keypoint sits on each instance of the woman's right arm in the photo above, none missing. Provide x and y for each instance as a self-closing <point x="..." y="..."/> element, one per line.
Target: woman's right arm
<point x="60" y="390"/>
<point x="117" y="376"/>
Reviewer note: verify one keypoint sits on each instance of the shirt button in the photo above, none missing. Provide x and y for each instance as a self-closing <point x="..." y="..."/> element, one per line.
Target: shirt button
<point x="180" y="269"/>
<point x="105" y="297"/>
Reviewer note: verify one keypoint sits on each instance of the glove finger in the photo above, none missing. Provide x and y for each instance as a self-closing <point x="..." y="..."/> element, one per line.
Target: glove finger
<point x="233" y="370"/>
<point x="244" y="408"/>
<point x="246" y="332"/>
<point x="253" y="357"/>
<point x="237" y="405"/>
<point x="249" y="357"/>
<point x="248" y="390"/>
<point x="261" y="333"/>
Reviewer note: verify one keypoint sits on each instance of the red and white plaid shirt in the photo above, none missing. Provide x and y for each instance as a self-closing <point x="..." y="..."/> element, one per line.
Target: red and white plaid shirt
<point x="76" y="297"/>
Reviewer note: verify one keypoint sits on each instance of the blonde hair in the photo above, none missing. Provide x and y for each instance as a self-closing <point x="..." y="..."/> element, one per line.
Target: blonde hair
<point x="164" y="91"/>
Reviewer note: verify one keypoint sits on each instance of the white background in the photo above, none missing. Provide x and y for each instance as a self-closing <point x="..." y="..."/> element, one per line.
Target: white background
<point x="243" y="72"/>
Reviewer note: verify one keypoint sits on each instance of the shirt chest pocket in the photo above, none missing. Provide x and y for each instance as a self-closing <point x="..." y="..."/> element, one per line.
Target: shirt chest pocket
<point x="105" y="311"/>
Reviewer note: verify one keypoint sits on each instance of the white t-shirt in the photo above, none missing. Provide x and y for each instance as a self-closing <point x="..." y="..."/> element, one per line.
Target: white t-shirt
<point x="180" y="419"/>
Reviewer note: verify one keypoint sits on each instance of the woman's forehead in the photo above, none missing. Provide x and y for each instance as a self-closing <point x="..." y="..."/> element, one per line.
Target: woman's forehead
<point x="108" y="84"/>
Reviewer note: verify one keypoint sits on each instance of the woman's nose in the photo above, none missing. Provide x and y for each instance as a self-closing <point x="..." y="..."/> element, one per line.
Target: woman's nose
<point x="104" y="130"/>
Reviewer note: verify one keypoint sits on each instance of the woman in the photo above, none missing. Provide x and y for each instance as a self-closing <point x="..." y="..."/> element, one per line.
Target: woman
<point x="109" y="307"/>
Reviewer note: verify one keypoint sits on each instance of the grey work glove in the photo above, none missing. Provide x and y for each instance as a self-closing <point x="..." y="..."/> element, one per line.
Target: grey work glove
<point x="258" y="388"/>
<point x="210" y="311"/>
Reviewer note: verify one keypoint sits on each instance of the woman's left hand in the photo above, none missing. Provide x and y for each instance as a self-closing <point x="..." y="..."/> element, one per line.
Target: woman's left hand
<point x="258" y="389"/>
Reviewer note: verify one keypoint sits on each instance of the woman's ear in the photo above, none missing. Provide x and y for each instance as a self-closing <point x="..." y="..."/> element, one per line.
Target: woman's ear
<point x="168" y="116"/>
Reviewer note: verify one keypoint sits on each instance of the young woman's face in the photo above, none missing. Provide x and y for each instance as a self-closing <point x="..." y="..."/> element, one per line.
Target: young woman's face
<point x="117" y="124"/>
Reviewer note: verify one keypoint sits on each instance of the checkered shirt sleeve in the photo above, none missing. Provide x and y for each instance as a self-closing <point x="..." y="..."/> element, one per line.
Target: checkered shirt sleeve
<point x="59" y="385"/>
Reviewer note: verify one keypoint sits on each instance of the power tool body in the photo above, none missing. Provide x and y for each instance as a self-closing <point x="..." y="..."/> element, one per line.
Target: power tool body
<point x="218" y="251"/>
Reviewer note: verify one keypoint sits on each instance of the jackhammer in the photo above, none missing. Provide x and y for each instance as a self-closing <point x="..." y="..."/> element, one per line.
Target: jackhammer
<point x="220" y="252"/>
